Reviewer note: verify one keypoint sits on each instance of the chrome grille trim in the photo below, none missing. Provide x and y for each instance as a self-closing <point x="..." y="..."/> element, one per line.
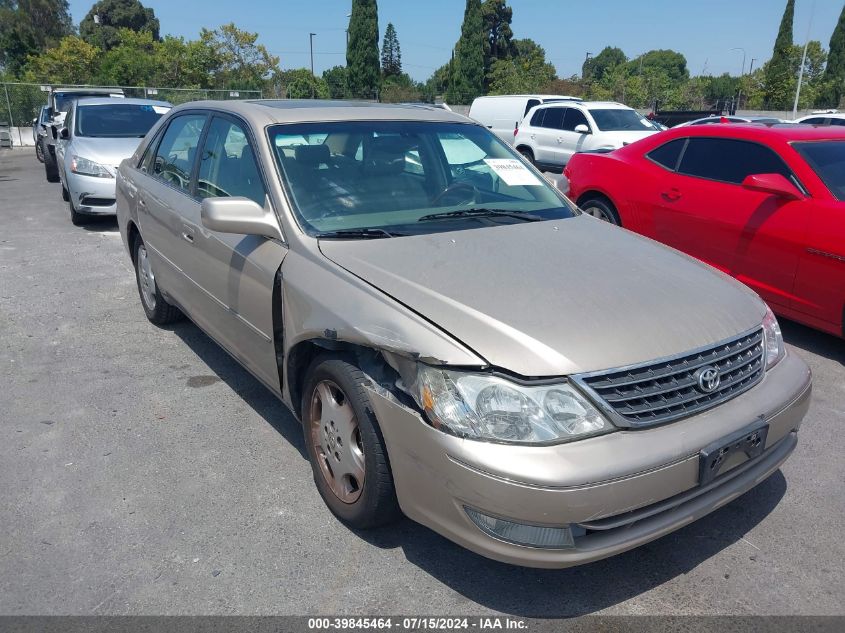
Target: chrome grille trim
<point x="665" y="390"/>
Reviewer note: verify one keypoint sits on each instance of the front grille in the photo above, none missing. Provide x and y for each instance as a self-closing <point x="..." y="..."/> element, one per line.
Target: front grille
<point x="668" y="389"/>
<point x="90" y="201"/>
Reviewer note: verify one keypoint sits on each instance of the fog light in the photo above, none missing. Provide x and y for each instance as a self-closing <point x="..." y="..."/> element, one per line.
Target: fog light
<point x="522" y="534"/>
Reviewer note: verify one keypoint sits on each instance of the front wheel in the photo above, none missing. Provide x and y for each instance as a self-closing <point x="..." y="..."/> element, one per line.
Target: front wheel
<point x="39" y="150"/>
<point x="51" y="169"/>
<point x="345" y="446"/>
<point x="156" y="307"/>
<point x="76" y="218"/>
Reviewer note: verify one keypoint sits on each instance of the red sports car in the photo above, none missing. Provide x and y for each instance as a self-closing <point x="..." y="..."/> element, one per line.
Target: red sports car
<point x="766" y="205"/>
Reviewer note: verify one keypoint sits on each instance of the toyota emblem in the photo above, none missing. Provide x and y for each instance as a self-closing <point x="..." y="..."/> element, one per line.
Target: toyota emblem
<point x="708" y="379"/>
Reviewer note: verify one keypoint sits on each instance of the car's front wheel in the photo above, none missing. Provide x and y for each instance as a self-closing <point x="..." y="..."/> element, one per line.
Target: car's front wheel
<point x="345" y="446"/>
<point x="76" y="218"/>
<point x="156" y="307"/>
<point x="51" y="169"/>
<point x="39" y="150"/>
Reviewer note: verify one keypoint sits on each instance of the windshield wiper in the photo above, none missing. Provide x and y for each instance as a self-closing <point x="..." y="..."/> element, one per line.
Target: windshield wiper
<point x="357" y="234"/>
<point x="481" y="212"/>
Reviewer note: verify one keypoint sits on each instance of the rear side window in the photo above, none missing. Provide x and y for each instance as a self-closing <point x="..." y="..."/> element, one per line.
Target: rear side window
<point x="573" y="119"/>
<point x="174" y="157"/>
<point x="227" y="164"/>
<point x="729" y="160"/>
<point x="554" y="118"/>
<point x="816" y="121"/>
<point x="537" y="119"/>
<point x="668" y="154"/>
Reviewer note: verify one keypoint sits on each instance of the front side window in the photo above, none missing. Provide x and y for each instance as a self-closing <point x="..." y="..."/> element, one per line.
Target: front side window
<point x="174" y="157"/>
<point x="227" y="164"/>
<point x="827" y="158"/>
<point x="402" y="178"/>
<point x="121" y="120"/>
<point x="621" y="120"/>
<point x="730" y="160"/>
<point x="573" y="119"/>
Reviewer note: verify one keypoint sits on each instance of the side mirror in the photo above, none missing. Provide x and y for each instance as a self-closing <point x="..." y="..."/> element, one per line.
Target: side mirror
<point x="49" y="113"/>
<point x="64" y="133"/>
<point x="241" y="216"/>
<point x="582" y="129"/>
<point x="34" y="122"/>
<point x="774" y="184"/>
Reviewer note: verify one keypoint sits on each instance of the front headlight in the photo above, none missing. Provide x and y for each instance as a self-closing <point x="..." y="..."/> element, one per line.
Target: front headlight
<point x="772" y="339"/>
<point x="487" y="407"/>
<point x="87" y="167"/>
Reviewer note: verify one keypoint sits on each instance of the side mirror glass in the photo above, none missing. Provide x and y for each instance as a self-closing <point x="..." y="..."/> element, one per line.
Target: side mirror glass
<point x="241" y="216"/>
<point x="581" y="128"/>
<point x="64" y="133"/>
<point x="773" y="184"/>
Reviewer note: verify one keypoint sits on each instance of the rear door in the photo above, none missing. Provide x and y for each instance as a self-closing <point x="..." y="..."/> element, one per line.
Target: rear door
<point x="236" y="272"/>
<point x="164" y="200"/>
<point x="545" y="137"/>
<point x="703" y="210"/>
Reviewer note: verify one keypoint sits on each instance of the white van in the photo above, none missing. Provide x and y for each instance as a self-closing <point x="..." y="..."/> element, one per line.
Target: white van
<point x="502" y="114"/>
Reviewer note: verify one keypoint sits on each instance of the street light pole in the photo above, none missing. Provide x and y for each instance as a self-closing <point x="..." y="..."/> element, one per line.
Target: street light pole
<point x="739" y="48"/>
<point x="803" y="61"/>
<point x="311" y="42"/>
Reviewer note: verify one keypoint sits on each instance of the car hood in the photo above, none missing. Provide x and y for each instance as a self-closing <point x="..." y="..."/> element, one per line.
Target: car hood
<point x="106" y="151"/>
<point x="557" y="297"/>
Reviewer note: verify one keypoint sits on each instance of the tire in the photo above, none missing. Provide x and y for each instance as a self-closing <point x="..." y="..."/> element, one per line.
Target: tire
<point x="356" y="451"/>
<point x="156" y="307"/>
<point x="527" y="154"/>
<point x="39" y="150"/>
<point x="76" y="218"/>
<point x="51" y="169"/>
<point x="601" y="208"/>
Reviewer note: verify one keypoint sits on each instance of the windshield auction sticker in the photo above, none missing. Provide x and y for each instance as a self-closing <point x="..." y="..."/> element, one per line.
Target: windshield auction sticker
<point x="512" y="171"/>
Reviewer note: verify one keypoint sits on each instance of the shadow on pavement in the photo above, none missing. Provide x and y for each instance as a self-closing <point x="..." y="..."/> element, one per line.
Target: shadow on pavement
<point x="100" y="223"/>
<point x="253" y="392"/>
<point x="813" y="341"/>
<point x="581" y="590"/>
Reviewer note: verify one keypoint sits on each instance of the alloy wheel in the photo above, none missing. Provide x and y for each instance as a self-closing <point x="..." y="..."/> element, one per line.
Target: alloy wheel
<point x="146" y="278"/>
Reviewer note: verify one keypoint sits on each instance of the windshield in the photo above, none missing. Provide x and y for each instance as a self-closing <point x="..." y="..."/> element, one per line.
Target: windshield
<point x="119" y="120"/>
<point x="827" y="158"/>
<point x="406" y="177"/>
<point x="622" y="120"/>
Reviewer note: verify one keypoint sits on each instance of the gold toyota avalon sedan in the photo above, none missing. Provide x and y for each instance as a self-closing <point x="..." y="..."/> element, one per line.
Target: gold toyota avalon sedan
<point x="460" y="342"/>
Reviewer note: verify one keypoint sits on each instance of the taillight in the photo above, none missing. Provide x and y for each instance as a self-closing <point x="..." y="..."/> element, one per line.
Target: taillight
<point x="515" y="130"/>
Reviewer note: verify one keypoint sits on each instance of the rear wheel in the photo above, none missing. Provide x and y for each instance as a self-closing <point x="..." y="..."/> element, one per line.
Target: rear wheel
<point x="156" y="307"/>
<point x="601" y="208"/>
<point x="527" y="154"/>
<point x="345" y="446"/>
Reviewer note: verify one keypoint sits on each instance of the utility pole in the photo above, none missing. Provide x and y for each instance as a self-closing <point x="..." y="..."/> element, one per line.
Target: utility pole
<point x="751" y="68"/>
<point x="311" y="42"/>
<point x="803" y="61"/>
<point x="739" y="48"/>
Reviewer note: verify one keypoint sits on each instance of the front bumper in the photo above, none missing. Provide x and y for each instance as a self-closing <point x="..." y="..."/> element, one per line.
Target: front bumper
<point x="90" y="195"/>
<point x="618" y="491"/>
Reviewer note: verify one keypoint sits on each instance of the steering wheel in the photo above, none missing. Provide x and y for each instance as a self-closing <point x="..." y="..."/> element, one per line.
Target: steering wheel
<point x="457" y="186"/>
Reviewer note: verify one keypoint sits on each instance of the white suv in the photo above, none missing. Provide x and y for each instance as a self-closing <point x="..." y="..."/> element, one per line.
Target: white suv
<point x="551" y="133"/>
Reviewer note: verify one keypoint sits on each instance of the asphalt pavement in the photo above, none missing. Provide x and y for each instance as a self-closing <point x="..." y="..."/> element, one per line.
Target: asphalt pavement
<point x="144" y="472"/>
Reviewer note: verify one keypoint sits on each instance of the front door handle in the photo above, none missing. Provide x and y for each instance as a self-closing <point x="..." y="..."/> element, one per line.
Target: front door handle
<point x="672" y="194"/>
<point x="187" y="234"/>
<point x="560" y="140"/>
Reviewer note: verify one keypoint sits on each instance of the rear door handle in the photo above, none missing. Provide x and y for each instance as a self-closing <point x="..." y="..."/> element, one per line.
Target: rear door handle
<point x="559" y="140"/>
<point x="672" y="195"/>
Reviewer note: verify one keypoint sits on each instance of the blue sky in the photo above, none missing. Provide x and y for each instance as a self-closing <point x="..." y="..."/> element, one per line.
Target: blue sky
<point x="703" y="30"/>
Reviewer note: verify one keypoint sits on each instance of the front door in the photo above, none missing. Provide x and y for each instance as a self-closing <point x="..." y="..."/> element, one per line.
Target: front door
<point x="570" y="141"/>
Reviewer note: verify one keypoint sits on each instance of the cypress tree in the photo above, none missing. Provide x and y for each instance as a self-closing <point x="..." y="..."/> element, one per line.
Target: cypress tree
<point x="779" y="75"/>
<point x="468" y="67"/>
<point x="834" y="74"/>
<point x="362" y="57"/>
<point x="391" y="55"/>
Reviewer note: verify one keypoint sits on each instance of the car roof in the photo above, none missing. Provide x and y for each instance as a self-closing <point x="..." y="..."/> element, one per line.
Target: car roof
<point x="593" y="105"/>
<point x="94" y="91"/>
<point x="822" y="115"/>
<point x="121" y="100"/>
<point x="261" y="112"/>
<point x="749" y="131"/>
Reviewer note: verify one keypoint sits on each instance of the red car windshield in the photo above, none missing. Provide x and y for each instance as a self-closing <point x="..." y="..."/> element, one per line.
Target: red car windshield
<point x="827" y="158"/>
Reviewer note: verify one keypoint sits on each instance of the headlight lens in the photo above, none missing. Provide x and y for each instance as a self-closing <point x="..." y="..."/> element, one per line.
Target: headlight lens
<point x="486" y="407"/>
<point x="87" y="167"/>
<point x="772" y="339"/>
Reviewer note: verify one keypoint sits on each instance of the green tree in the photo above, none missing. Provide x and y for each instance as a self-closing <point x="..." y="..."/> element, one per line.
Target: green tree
<point x="400" y="88"/>
<point x="439" y="82"/>
<point x="812" y="80"/>
<point x="73" y="61"/>
<point x="468" y="66"/>
<point x="779" y="69"/>
<point x="300" y="84"/>
<point x="609" y="58"/>
<point x="183" y="64"/>
<point x="391" y="54"/>
<point x="238" y="61"/>
<point x="670" y="63"/>
<point x="30" y="27"/>
<point x="335" y="79"/>
<point x="132" y="62"/>
<point x="526" y="72"/>
<point x="833" y="83"/>
<point x="362" y="56"/>
<point x="497" y="16"/>
<point x="113" y="15"/>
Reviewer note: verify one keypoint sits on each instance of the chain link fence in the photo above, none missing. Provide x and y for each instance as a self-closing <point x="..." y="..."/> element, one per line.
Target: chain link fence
<point x="20" y="103"/>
